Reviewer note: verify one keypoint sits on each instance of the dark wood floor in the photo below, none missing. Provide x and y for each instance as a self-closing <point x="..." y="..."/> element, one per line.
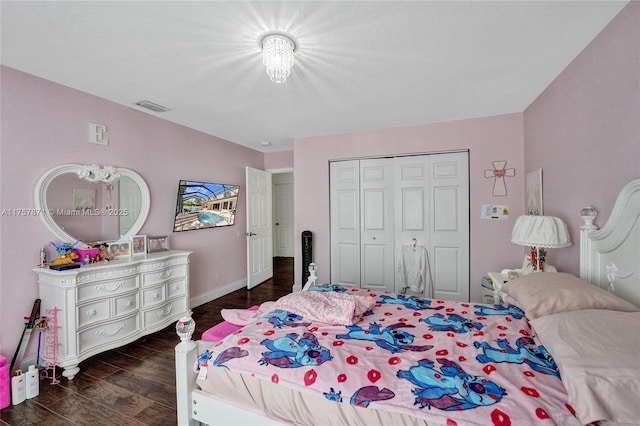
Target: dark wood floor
<point x="134" y="384"/>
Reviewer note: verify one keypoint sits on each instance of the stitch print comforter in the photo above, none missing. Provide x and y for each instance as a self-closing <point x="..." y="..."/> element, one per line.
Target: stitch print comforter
<point x="446" y="362"/>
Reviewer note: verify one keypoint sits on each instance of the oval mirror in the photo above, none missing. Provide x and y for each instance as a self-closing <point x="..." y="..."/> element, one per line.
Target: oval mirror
<point x="92" y="203"/>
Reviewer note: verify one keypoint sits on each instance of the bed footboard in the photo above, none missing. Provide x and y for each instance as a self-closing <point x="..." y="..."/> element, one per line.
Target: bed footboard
<point x="194" y="406"/>
<point x="186" y="356"/>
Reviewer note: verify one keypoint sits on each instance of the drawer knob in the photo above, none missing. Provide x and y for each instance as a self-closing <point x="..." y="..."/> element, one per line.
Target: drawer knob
<point x="128" y="304"/>
<point x="92" y="313"/>
<point x="164" y="313"/>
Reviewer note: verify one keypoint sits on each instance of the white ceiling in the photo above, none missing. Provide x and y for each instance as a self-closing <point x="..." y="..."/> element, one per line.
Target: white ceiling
<point x="360" y="65"/>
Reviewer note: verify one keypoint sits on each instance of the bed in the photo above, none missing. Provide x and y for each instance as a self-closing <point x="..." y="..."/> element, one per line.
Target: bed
<point x="563" y="351"/>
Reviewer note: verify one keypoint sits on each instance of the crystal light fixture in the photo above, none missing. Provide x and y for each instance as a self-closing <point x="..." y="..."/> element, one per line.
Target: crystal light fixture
<point x="277" y="56"/>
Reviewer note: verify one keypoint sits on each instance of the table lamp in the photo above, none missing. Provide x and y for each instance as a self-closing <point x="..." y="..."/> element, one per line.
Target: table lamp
<point x="540" y="233"/>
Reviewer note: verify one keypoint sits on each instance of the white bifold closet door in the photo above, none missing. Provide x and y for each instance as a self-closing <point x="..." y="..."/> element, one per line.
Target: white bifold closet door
<point x="379" y="205"/>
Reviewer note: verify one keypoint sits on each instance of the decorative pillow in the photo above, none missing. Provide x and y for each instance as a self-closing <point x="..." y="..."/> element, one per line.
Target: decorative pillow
<point x="326" y="306"/>
<point x="597" y="354"/>
<point x="546" y="293"/>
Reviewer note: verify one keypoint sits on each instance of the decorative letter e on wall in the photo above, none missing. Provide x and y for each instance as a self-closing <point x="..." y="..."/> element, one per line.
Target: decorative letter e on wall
<point x="96" y="134"/>
<point x="499" y="172"/>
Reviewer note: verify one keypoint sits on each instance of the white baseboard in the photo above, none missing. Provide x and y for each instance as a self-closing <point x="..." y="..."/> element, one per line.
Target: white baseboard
<point x="217" y="293"/>
<point x="25" y="363"/>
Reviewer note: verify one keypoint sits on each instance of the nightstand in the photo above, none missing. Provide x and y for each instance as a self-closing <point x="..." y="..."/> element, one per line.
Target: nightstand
<point x="487" y="291"/>
<point x="498" y="279"/>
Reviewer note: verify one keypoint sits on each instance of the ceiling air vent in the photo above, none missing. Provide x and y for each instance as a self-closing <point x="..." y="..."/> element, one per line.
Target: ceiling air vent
<point x="152" y="106"/>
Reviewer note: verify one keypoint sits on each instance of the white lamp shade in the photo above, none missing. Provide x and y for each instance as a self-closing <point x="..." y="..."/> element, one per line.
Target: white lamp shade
<point x="540" y="231"/>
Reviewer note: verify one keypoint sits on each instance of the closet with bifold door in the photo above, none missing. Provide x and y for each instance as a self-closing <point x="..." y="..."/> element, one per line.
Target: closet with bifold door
<point x="391" y="215"/>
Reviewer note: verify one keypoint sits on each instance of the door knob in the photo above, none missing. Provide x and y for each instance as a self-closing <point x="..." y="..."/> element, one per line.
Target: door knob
<point x="277" y="224"/>
<point x="249" y="234"/>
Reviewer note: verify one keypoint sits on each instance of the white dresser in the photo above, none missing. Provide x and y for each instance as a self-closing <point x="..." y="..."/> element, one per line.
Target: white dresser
<point x="107" y="305"/>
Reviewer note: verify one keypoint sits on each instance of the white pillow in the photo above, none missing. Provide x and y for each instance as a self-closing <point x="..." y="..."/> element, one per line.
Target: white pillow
<point x="546" y="293"/>
<point x="597" y="353"/>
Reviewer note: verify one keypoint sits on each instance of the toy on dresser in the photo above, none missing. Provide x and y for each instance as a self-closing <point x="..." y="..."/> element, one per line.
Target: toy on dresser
<point x="65" y="252"/>
<point x="104" y="253"/>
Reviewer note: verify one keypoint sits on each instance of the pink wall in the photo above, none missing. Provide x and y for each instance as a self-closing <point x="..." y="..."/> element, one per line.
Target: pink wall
<point x="487" y="139"/>
<point x="45" y="124"/>
<point x="278" y="160"/>
<point x="584" y="130"/>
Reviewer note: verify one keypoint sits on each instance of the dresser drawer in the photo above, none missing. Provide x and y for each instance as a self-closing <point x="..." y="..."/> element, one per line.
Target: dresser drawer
<point x="151" y="278"/>
<point x="126" y="304"/>
<point x="93" y="312"/>
<point x="153" y="296"/>
<point x="106" y="288"/>
<point x="176" y="288"/>
<point x="160" y="314"/>
<point x="103" y="334"/>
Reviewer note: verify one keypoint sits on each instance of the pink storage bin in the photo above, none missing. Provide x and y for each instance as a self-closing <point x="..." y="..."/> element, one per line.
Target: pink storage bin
<point x="5" y="384"/>
<point x="83" y="253"/>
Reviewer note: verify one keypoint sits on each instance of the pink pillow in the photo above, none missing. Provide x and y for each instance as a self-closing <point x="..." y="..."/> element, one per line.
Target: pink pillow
<point x="546" y="293"/>
<point x="220" y="331"/>
<point x="223" y="329"/>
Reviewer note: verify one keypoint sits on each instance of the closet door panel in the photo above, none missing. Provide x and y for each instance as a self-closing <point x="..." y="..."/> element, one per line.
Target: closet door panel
<point x="349" y="256"/>
<point x="345" y="222"/>
<point x="445" y="217"/>
<point x="376" y="215"/>
<point x="413" y="212"/>
<point x="411" y="206"/>
<point x="446" y="273"/>
<point x="375" y="266"/>
<point x="449" y="189"/>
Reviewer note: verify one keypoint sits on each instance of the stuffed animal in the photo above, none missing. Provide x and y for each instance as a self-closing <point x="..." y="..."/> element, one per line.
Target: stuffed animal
<point x="104" y="253"/>
<point x="66" y="254"/>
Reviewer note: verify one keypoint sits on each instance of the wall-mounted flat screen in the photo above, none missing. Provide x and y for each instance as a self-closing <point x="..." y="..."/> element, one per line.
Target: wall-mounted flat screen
<point x="203" y="205"/>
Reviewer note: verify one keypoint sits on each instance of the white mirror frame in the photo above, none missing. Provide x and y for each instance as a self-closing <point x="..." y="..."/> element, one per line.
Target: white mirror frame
<point x="40" y="194"/>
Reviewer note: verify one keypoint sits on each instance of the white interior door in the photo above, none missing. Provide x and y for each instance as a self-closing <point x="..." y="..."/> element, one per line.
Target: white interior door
<point x="283" y="242"/>
<point x="259" y="227"/>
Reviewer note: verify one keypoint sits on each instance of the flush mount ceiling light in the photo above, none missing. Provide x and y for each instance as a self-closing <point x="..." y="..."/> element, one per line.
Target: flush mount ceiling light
<point x="277" y="56"/>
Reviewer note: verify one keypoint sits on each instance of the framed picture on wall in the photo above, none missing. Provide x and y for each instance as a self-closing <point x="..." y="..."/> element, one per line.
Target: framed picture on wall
<point x="138" y="244"/>
<point x="158" y="244"/>
<point x="534" y="192"/>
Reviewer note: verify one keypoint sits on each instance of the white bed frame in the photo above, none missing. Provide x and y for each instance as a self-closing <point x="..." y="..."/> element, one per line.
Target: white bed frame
<point x="609" y="258"/>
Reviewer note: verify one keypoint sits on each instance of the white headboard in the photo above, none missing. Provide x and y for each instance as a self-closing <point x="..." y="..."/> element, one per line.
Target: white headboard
<point x="610" y="256"/>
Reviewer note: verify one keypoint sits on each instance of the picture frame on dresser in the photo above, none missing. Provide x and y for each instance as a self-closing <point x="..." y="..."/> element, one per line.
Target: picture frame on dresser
<point x="157" y="244"/>
<point x="138" y="245"/>
<point x="119" y="248"/>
